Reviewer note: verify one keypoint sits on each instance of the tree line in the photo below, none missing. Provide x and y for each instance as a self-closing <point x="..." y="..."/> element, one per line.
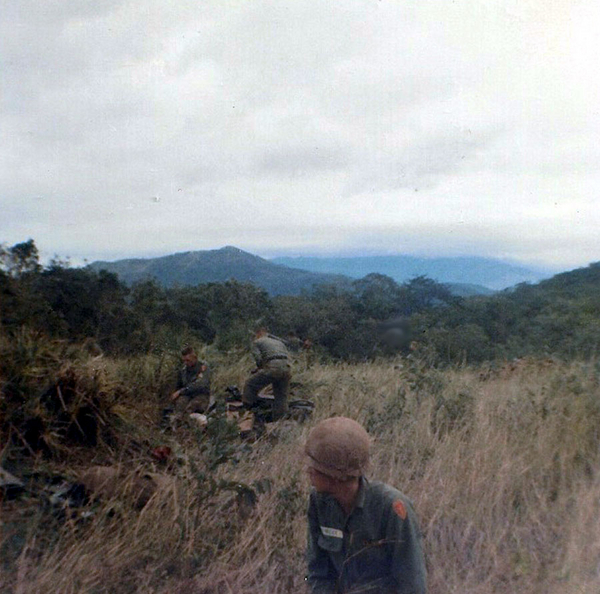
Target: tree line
<point x="374" y="316"/>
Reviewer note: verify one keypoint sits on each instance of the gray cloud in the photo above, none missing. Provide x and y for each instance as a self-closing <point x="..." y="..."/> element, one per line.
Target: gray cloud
<point x="421" y="165"/>
<point x="137" y="127"/>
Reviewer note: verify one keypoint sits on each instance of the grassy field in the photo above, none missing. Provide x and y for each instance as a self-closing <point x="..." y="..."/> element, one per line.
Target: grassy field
<point x="502" y="464"/>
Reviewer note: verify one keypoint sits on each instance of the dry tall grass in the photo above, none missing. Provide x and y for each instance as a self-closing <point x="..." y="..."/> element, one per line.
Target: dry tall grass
<point x="502" y="465"/>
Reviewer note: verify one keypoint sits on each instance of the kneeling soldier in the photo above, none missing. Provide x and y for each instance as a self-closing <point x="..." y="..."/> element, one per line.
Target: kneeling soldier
<point x="193" y="384"/>
<point x="362" y="536"/>
<point x="272" y="367"/>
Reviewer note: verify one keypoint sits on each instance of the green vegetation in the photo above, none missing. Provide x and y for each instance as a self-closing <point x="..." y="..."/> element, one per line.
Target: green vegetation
<point x="218" y="266"/>
<point x="370" y="317"/>
<point x="501" y="459"/>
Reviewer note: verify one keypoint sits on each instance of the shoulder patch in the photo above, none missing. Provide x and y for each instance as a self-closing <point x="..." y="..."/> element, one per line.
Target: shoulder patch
<point x="400" y="509"/>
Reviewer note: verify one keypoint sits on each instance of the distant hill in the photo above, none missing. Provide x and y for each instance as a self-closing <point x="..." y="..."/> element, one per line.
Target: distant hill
<point x="559" y="316"/>
<point x="192" y="268"/>
<point x="277" y="277"/>
<point x="468" y="290"/>
<point x="574" y="284"/>
<point x="480" y="272"/>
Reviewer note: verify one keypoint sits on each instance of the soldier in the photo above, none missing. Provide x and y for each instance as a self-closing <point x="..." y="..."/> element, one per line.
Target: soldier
<point x="307" y="351"/>
<point x="272" y="367"/>
<point x="293" y="342"/>
<point x="362" y="536"/>
<point x="193" y="384"/>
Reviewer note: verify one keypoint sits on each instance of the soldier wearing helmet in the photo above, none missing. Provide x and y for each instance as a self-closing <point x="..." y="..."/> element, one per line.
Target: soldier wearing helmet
<point x="363" y="536"/>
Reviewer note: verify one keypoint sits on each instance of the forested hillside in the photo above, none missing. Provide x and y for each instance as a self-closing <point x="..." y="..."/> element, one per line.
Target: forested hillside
<point x="218" y="266"/>
<point x="372" y="316"/>
<point x="559" y="316"/>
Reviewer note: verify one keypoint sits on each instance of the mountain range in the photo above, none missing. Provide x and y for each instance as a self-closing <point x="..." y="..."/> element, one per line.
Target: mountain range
<point x="217" y="266"/>
<point x="289" y="276"/>
<point x="483" y="272"/>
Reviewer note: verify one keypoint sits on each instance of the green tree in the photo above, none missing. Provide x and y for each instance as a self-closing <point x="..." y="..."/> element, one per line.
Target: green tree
<point x="378" y="296"/>
<point x="21" y="258"/>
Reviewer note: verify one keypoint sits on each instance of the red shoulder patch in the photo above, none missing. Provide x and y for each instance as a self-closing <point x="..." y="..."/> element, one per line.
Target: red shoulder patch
<point x="400" y="509"/>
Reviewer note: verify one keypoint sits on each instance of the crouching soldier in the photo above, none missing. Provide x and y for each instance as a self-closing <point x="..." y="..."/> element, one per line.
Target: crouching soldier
<point x="272" y="367"/>
<point x="193" y="384"/>
<point x="362" y="536"/>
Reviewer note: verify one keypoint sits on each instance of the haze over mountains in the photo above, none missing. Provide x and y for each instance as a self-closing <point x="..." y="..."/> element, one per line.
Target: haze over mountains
<point x="282" y="276"/>
<point x="484" y="272"/>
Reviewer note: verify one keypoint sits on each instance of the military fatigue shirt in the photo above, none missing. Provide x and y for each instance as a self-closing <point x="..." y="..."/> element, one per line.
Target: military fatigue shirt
<point x="293" y="343"/>
<point x="192" y="381"/>
<point x="268" y="348"/>
<point x="374" y="550"/>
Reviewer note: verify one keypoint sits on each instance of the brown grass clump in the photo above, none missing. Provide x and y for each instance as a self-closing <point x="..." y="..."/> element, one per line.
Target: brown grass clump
<point x="502" y="468"/>
<point x="60" y="399"/>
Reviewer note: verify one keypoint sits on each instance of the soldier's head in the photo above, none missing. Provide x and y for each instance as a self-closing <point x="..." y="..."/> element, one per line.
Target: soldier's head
<point x="261" y="331"/>
<point x="337" y="454"/>
<point x="189" y="357"/>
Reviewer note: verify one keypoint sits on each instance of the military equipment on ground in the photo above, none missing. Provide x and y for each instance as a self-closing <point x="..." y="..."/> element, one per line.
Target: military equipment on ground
<point x="254" y="418"/>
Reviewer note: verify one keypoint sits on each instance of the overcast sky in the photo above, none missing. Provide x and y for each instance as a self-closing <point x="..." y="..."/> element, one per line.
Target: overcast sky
<point x="133" y="128"/>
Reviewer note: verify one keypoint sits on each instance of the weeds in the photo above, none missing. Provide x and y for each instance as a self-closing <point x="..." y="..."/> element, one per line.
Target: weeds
<point x="502" y="467"/>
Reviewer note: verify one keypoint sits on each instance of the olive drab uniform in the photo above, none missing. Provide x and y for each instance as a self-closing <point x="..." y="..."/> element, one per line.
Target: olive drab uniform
<point x="293" y="344"/>
<point x="194" y="388"/>
<point x="273" y="367"/>
<point x="374" y="550"/>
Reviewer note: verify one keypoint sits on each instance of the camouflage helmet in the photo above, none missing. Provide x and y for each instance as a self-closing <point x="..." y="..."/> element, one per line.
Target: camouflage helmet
<point x="339" y="448"/>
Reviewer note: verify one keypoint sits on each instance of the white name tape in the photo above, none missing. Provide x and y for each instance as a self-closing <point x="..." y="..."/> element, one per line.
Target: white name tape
<point x="332" y="532"/>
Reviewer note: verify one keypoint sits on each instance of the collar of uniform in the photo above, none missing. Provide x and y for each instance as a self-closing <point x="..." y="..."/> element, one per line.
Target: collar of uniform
<point x="362" y="492"/>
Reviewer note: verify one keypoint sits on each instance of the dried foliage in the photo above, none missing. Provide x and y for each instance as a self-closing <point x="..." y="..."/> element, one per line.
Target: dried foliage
<point x="502" y="466"/>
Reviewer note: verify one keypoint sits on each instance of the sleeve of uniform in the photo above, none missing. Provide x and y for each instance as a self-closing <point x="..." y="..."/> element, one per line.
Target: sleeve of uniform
<point x="257" y="354"/>
<point x="321" y="576"/>
<point x="408" y="564"/>
<point x="201" y="385"/>
<point x="179" y="383"/>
